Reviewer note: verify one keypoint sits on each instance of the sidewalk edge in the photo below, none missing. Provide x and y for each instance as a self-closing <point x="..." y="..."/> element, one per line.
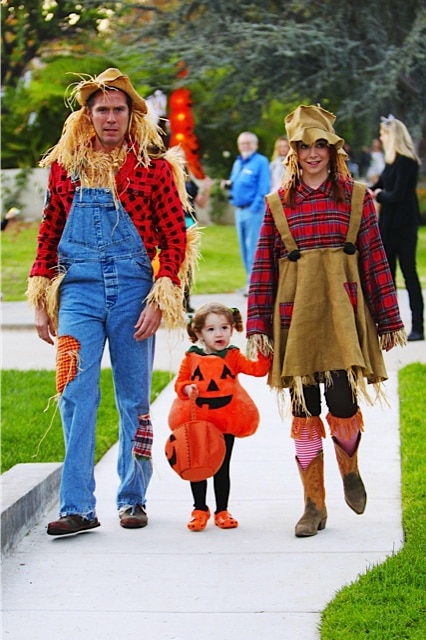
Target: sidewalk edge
<point x="28" y="491"/>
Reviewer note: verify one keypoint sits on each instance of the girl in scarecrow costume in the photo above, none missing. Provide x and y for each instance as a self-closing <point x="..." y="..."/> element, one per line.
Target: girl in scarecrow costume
<point x="322" y="299"/>
<point x="115" y="202"/>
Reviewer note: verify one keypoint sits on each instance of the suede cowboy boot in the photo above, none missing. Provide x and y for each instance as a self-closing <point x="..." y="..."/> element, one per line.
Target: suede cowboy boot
<point x="315" y="514"/>
<point x="353" y="486"/>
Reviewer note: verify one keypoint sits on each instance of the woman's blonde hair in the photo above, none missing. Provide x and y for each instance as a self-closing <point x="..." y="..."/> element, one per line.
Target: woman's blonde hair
<point x="398" y="140"/>
<point x="276" y="154"/>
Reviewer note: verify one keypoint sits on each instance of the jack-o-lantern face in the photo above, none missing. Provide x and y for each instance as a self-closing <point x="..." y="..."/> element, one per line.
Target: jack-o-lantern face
<point x="214" y="390"/>
<point x="221" y="399"/>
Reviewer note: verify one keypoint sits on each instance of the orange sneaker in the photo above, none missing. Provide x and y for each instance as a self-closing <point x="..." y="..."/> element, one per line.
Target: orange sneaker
<point x="199" y="520"/>
<point x="224" y="520"/>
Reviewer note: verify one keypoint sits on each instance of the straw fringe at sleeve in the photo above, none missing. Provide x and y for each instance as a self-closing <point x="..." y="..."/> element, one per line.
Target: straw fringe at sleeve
<point x="393" y="339"/>
<point x="169" y="297"/>
<point x="259" y="342"/>
<point x="37" y="291"/>
<point x="44" y="292"/>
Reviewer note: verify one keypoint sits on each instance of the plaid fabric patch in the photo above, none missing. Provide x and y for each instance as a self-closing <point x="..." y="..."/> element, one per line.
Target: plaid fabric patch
<point x="143" y="438"/>
<point x="66" y="361"/>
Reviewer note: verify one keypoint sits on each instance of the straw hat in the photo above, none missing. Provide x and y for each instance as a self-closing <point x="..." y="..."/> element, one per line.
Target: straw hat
<point x="113" y="79"/>
<point x="308" y="124"/>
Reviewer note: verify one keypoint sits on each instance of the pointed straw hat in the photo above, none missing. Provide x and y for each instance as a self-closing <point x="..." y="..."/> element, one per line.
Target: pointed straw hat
<point x="309" y="123"/>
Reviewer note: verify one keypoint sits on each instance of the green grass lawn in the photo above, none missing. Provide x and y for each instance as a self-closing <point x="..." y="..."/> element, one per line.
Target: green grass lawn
<point x="220" y="269"/>
<point x="31" y="425"/>
<point x="388" y="602"/>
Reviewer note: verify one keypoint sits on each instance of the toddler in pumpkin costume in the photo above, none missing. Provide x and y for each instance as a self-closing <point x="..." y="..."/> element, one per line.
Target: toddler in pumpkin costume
<point x="211" y="368"/>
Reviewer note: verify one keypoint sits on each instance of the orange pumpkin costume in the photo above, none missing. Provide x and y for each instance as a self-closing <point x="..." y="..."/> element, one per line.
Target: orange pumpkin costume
<point x="221" y="399"/>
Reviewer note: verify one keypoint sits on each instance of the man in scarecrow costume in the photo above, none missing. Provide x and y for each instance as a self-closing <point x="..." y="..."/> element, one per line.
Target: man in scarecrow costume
<point x="322" y="299"/>
<point x="115" y="202"/>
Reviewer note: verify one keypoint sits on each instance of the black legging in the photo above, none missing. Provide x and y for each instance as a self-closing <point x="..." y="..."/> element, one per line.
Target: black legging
<point x="338" y="395"/>
<point x="402" y="247"/>
<point x="221" y="482"/>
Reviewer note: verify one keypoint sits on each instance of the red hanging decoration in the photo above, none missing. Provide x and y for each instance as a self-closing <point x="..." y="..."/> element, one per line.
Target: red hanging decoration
<point x="182" y="128"/>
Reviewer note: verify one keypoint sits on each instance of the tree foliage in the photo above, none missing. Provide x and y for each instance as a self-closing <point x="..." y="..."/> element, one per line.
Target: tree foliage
<point x="42" y="41"/>
<point x="31" y="27"/>
<point x="248" y="64"/>
<point x="361" y="60"/>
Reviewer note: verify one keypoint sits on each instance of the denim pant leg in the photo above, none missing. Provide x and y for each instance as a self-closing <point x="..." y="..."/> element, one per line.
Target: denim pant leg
<point x="253" y="229"/>
<point x="248" y="228"/>
<point x="132" y="364"/>
<point x="240" y="227"/>
<point x="79" y="418"/>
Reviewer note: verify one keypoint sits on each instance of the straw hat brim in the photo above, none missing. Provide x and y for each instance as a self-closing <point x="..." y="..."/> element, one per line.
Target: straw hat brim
<point x="310" y="135"/>
<point x="111" y="79"/>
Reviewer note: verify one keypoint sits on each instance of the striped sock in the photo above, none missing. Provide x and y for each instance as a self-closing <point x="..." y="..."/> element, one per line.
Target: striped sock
<point x="307" y="448"/>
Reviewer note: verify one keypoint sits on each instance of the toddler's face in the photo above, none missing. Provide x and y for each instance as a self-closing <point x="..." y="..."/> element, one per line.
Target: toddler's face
<point x="216" y="333"/>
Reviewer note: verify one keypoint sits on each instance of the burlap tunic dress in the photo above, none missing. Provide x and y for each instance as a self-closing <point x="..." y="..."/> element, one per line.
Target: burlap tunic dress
<point x="321" y="321"/>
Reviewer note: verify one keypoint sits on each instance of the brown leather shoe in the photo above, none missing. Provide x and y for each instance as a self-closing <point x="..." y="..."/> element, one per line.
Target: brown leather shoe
<point x="71" y="524"/>
<point x="133" y="517"/>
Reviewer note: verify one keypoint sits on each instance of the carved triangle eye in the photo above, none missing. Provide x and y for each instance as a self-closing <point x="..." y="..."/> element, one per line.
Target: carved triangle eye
<point x="226" y="373"/>
<point x="197" y="374"/>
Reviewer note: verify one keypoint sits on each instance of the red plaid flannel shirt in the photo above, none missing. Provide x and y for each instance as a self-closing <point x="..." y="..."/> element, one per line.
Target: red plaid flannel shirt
<point x="319" y="222"/>
<point x="149" y="196"/>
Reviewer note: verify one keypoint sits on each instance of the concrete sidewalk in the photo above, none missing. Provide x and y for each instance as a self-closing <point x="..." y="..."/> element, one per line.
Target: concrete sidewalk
<point x="257" y="581"/>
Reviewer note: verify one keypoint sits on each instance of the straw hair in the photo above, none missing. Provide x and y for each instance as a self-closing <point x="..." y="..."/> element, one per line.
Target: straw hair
<point x="74" y="149"/>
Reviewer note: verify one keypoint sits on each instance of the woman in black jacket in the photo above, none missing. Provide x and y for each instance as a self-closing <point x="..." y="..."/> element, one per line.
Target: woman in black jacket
<point x="399" y="217"/>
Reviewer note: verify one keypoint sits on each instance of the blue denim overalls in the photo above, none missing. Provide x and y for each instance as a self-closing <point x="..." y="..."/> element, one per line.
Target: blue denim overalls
<point x="108" y="275"/>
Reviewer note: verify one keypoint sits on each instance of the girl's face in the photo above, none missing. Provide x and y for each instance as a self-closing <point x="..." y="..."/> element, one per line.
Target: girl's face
<point x="216" y="333"/>
<point x="314" y="160"/>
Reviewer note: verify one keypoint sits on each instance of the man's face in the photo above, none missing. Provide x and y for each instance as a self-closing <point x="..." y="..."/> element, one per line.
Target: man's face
<point x="110" y="118"/>
<point x="247" y="144"/>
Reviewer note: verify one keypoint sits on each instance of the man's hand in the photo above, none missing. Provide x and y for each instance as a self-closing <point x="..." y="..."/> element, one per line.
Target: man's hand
<point x="44" y="325"/>
<point x="148" y="322"/>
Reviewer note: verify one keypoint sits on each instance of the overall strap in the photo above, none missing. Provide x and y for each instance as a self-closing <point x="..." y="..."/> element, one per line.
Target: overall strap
<point x="280" y="220"/>
<point x="357" y="200"/>
<point x="281" y="223"/>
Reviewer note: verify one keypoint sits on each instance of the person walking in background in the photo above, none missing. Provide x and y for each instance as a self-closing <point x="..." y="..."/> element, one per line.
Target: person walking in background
<point x="10" y="215"/>
<point x="377" y="162"/>
<point x="322" y="298"/>
<point x="113" y="198"/>
<point x="364" y="159"/>
<point x="249" y="183"/>
<point x="276" y="166"/>
<point x="198" y="196"/>
<point x="399" y="218"/>
<point x="350" y="161"/>
<point x="211" y="368"/>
